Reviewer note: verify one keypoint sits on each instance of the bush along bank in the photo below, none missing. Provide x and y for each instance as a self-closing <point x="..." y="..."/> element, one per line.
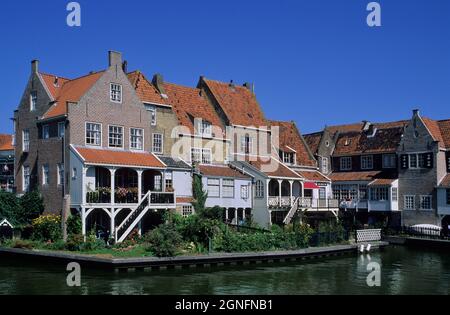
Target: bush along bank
<point x="198" y="234"/>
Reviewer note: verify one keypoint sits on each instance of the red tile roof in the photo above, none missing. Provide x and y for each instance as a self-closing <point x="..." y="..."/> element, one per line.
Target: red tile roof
<point x="313" y="141"/>
<point x="145" y="90"/>
<point x="444" y="126"/>
<point x="6" y="143"/>
<point x="189" y="104"/>
<point x="382" y="182"/>
<point x="290" y="138"/>
<point x="360" y="176"/>
<point x="238" y="103"/>
<point x="69" y="91"/>
<point x="185" y="199"/>
<point x="313" y="176"/>
<point x="221" y="171"/>
<point x="445" y="183"/>
<point x="269" y="166"/>
<point x="119" y="158"/>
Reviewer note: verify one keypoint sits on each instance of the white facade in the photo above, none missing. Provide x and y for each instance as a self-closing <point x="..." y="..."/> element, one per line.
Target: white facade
<point x="238" y="201"/>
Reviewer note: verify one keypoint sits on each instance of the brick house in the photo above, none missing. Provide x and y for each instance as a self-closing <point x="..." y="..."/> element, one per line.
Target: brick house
<point x="7" y="163"/>
<point x="423" y="172"/>
<point x="361" y="161"/>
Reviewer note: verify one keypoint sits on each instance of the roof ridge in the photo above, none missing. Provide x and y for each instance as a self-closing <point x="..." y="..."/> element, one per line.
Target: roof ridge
<point x="54" y="75"/>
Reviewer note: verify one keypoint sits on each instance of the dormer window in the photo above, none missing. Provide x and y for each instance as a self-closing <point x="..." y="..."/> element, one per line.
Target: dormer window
<point x="116" y="93"/>
<point x="205" y="129"/>
<point x="33" y="101"/>
<point x="367" y="162"/>
<point x="288" y="157"/>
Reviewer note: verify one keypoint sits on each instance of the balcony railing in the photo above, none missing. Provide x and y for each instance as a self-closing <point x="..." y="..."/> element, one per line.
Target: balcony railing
<point x="286" y="202"/>
<point x="162" y="198"/>
<point x="98" y="197"/>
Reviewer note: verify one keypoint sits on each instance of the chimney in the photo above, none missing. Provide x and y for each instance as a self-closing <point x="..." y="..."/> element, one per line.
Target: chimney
<point x="232" y="84"/>
<point x="56" y="82"/>
<point x="416" y="112"/>
<point x="158" y="82"/>
<point x="367" y="125"/>
<point x="115" y="58"/>
<point x="125" y="66"/>
<point x="35" y="66"/>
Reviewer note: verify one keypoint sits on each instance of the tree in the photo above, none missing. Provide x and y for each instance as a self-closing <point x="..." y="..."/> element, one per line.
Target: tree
<point x="200" y="195"/>
<point x="10" y="207"/>
<point x="31" y="207"/>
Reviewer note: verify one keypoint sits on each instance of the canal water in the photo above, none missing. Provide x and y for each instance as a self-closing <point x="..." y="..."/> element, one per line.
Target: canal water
<point x="403" y="271"/>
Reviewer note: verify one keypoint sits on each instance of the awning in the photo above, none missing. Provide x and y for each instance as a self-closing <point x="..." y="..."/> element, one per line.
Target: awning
<point x="309" y="185"/>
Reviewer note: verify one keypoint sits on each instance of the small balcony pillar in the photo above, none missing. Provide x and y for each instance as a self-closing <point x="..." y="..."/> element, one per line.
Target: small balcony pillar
<point x="139" y="172"/>
<point x="291" y="191"/>
<point x="280" y="184"/>
<point x="113" y="185"/>
<point x="83" y="186"/>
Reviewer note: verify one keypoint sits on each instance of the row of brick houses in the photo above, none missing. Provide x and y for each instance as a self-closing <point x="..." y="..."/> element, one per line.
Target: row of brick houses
<point x="120" y="148"/>
<point x="396" y="172"/>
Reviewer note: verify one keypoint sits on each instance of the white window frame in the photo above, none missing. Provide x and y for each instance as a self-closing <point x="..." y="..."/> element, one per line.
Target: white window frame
<point x="197" y="152"/>
<point x="45" y="175"/>
<point x="26" y="179"/>
<point x="245" y="192"/>
<point x="187" y="210"/>
<point x="205" y="129"/>
<point x="153" y="114"/>
<point x="422" y="198"/>
<point x="228" y="184"/>
<point x="207" y="156"/>
<point x="60" y="170"/>
<point x="247" y="144"/>
<point x="259" y="189"/>
<point x="26" y="140"/>
<point x="367" y="162"/>
<point x="116" y="133"/>
<point x="391" y="158"/>
<point x="289" y="158"/>
<point x="161" y="151"/>
<point x="394" y="194"/>
<point x="33" y="101"/>
<point x="61" y="130"/>
<point x="100" y="132"/>
<point x="116" y="93"/>
<point x="416" y="158"/>
<point x="142" y="136"/>
<point x="325" y="165"/>
<point x="45" y="132"/>
<point x="213" y="182"/>
<point x="379" y="194"/>
<point x="347" y="162"/>
<point x="407" y="203"/>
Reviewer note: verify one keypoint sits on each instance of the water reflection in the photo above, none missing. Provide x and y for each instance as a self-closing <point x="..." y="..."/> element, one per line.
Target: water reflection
<point x="403" y="271"/>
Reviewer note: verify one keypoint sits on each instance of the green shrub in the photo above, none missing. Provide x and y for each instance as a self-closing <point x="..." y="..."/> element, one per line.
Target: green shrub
<point x="199" y="230"/>
<point x="10" y="207"/>
<point x="74" y="225"/>
<point x="31" y="207"/>
<point x="75" y="242"/>
<point x="47" y="228"/>
<point x="23" y="244"/>
<point x="58" y="245"/>
<point x="163" y="241"/>
<point x="92" y="244"/>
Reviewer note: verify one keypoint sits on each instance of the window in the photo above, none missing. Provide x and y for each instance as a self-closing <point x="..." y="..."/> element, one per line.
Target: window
<point x="421" y="159"/>
<point x="61" y="129"/>
<point x="196" y="155"/>
<point x="345" y="192"/>
<point x="26" y="178"/>
<point x="205" y="129"/>
<point x="187" y="211"/>
<point x="158" y="183"/>
<point x="362" y="192"/>
<point x="389" y="161"/>
<point x="322" y="193"/>
<point x="60" y="174"/>
<point x="169" y="180"/>
<point x="244" y="192"/>
<point x="45" y="175"/>
<point x="367" y="162"/>
<point x="157" y="143"/>
<point x="346" y="163"/>
<point x="45" y="132"/>
<point x="137" y="139"/>
<point x="413" y="161"/>
<point x="259" y="189"/>
<point x="115" y="137"/>
<point x="116" y="93"/>
<point x="74" y="173"/>
<point x="288" y="158"/>
<point x="152" y="110"/>
<point x="448" y="196"/>
<point x="206" y="156"/>
<point x="394" y="194"/>
<point x="325" y="168"/>
<point x="26" y="141"/>
<point x="410" y="202"/>
<point x="93" y="134"/>
<point x="425" y="202"/>
<point x="247" y="144"/>
<point x="379" y="194"/>
<point x="228" y="188"/>
<point x="33" y="101"/>
<point x="213" y="187"/>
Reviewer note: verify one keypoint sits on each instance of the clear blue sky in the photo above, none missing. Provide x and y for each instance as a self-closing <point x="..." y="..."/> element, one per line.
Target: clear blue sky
<point x="316" y="62"/>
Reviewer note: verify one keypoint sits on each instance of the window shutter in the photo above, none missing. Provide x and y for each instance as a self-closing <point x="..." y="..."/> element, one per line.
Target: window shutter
<point x="448" y="162"/>
<point x="404" y="161"/>
<point x="428" y="158"/>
